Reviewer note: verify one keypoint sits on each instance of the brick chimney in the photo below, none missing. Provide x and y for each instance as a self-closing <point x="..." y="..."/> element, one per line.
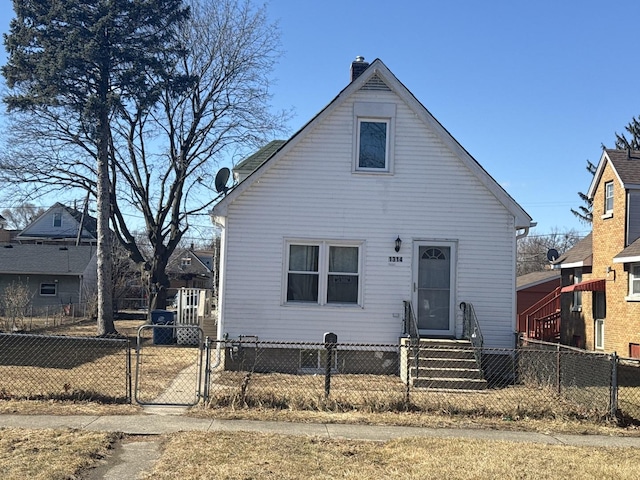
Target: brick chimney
<point x="357" y="67"/>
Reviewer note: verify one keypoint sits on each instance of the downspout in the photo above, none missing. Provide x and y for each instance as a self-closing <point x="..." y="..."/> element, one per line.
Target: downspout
<point x="525" y="230"/>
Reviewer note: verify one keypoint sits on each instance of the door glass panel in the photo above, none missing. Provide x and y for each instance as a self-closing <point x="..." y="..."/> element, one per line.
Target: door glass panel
<point x="434" y="288"/>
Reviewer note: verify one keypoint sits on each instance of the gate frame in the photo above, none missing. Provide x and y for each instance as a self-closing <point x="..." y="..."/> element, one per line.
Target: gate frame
<point x="199" y="394"/>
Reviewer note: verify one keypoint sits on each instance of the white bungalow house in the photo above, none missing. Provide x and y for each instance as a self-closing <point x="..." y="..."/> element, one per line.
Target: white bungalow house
<point x="370" y="205"/>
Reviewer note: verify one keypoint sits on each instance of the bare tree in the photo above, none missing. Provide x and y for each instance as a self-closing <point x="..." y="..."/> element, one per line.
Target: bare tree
<point x="532" y="250"/>
<point x="16" y="297"/>
<point x="163" y="160"/>
<point x="19" y="217"/>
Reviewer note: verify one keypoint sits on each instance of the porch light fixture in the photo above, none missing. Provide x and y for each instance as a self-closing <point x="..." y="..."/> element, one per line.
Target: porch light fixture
<point x="398" y="243"/>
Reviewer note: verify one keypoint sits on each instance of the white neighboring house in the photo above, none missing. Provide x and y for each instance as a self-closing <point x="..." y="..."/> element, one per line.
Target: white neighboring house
<point x="309" y="238"/>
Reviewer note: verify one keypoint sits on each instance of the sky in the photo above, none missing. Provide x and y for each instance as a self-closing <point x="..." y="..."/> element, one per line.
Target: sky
<point x="531" y="90"/>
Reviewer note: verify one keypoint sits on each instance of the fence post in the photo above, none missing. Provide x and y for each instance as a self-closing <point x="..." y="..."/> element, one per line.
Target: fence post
<point x="207" y="371"/>
<point x="129" y="372"/>
<point x="558" y="379"/>
<point x="330" y="340"/>
<point x="613" y="407"/>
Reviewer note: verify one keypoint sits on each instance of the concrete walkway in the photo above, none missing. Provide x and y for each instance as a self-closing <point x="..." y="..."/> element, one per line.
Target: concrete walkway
<point x="161" y="423"/>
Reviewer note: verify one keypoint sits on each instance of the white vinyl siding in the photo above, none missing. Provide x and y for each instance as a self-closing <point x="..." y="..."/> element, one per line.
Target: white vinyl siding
<point x="312" y="192"/>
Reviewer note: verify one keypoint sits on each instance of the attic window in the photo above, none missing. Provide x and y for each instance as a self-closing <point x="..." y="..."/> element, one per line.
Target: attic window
<point x="185" y="262"/>
<point x="57" y="219"/>
<point x="373" y="144"/>
<point x="374" y="126"/>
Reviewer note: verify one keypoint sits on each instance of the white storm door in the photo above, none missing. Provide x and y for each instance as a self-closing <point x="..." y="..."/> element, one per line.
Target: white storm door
<point x="433" y="287"/>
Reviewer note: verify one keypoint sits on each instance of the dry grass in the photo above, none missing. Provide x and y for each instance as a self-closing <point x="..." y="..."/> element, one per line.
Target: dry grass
<point x="421" y="419"/>
<point x="161" y="366"/>
<point x="380" y="393"/>
<point x="65" y="407"/>
<point x="102" y="379"/>
<point x="266" y="456"/>
<point x="49" y="454"/>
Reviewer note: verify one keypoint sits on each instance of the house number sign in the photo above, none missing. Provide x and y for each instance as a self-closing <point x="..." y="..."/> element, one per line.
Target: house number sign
<point x="395" y="259"/>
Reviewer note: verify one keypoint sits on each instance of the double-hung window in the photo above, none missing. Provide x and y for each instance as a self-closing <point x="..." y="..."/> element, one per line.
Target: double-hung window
<point x="634" y="282"/>
<point x="374" y="125"/>
<point x="57" y="219"/>
<point x="608" y="198"/>
<point x="323" y="272"/>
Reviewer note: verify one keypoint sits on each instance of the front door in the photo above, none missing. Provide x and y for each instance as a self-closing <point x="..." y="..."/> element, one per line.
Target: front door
<point x="433" y="283"/>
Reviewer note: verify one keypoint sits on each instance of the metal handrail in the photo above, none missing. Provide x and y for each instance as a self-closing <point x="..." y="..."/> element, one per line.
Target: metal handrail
<point x="410" y="321"/>
<point x="411" y="329"/>
<point x="471" y="330"/>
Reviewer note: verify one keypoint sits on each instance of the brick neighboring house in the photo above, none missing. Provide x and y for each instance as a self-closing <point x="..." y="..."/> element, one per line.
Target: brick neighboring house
<point x="601" y="284"/>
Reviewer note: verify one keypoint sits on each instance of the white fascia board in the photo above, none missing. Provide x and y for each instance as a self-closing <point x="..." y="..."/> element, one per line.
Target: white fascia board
<point x="604" y="159"/>
<point x="627" y="259"/>
<point x="572" y="265"/>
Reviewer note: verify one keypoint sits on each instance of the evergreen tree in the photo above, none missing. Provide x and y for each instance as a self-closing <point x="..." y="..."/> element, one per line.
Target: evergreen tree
<point x="167" y="136"/>
<point x="81" y="62"/>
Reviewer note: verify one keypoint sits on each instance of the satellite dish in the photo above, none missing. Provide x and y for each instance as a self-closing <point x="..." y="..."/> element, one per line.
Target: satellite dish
<point x="222" y="177"/>
<point x="552" y="255"/>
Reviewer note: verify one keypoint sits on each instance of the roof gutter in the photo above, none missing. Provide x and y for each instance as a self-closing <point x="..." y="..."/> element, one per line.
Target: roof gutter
<point x="525" y="230"/>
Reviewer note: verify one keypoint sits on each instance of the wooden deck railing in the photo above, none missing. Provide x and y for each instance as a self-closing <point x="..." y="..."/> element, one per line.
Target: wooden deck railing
<point x="542" y="319"/>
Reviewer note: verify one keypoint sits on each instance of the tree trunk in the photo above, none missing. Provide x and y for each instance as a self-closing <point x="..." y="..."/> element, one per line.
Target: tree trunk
<point x="105" y="287"/>
<point x="158" y="283"/>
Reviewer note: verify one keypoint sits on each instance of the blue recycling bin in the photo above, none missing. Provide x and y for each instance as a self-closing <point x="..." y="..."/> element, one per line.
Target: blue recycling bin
<point x="162" y="336"/>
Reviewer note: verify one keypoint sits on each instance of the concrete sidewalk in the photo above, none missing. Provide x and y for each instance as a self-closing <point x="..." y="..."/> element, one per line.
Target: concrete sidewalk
<point x="149" y="424"/>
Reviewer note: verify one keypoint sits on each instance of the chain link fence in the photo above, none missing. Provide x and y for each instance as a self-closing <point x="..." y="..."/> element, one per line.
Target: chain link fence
<point x="57" y="367"/>
<point x="176" y="365"/>
<point x="534" y="380"/>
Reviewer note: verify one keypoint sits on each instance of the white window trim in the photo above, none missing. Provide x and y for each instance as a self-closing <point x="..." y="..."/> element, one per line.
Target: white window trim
<point x="632" y="297"/>
<point x="608" y="212"/>
<point x="374" y="112"/>
<point x="598" y="345"/>
<point x="55" y="288"/>
<point x="57" y="215"/>
<point x="323" y="271"/>
<point x="577" y="278"/>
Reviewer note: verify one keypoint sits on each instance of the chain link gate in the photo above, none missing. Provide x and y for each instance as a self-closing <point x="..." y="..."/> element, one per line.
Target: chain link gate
<point x="169" y="365"/>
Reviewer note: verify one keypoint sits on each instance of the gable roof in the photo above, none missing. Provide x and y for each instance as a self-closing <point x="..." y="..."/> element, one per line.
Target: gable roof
<point x="630" y="254"/>
<point x="32" y="259"/>
<point x="625" y="164"/>
<point x="536" y="278"/>
<point x="580" y="255"/>
<point x="375" y="77"/>
<point x="89" y="225"/>
<point x="195" y="267"/>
